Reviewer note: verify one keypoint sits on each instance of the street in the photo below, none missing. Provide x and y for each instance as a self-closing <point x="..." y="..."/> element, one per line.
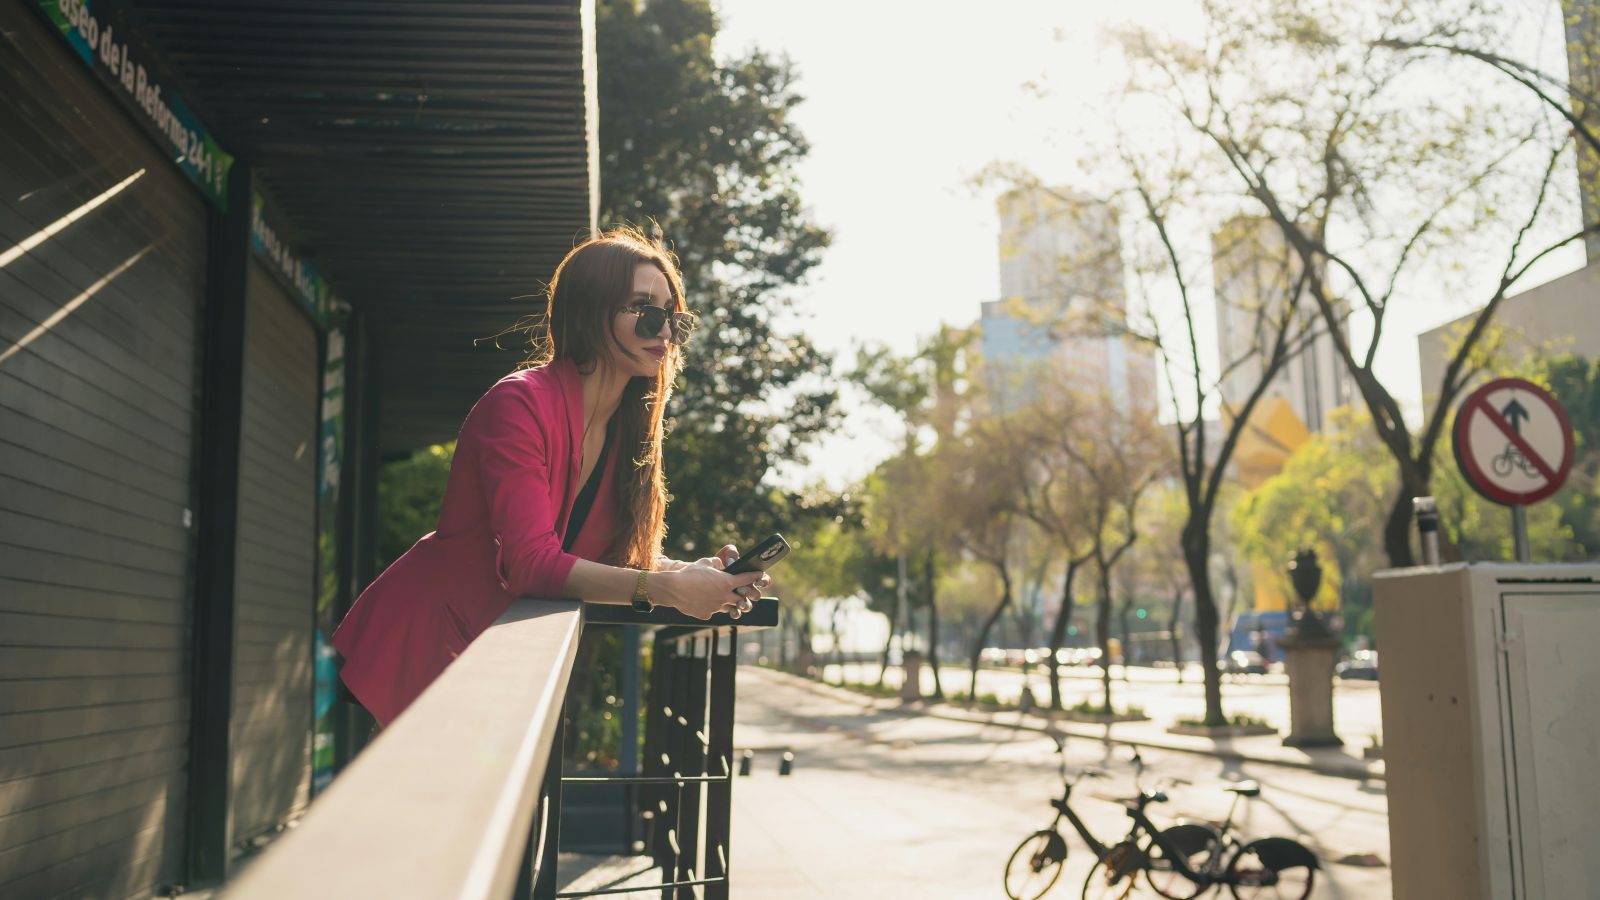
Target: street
<point x="1357" y="715"/>
<point x="887" y="804"/>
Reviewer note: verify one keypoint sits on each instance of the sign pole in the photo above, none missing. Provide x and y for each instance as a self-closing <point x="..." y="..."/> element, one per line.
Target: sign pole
<point x="1519" y="532"/>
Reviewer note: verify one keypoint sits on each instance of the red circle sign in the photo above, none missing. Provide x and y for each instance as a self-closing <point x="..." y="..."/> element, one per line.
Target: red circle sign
<point x="1513" y="441"/>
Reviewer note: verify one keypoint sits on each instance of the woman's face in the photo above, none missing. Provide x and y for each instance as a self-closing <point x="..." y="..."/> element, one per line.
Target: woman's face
<point x="642" y="355"/>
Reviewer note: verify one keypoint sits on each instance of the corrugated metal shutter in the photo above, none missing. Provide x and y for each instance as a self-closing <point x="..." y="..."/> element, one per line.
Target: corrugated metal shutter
<point x="276" y="562"/>
<point x="98" y="332"/>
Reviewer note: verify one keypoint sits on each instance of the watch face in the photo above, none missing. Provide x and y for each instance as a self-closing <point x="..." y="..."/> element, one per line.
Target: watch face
<point x="640" y="605"/>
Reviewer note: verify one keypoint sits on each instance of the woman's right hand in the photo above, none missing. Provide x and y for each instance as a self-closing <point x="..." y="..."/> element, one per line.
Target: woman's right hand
<point x="700" y="591"/>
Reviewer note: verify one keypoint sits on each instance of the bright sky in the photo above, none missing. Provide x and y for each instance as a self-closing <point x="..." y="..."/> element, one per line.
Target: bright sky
<point x="905" y="105"/>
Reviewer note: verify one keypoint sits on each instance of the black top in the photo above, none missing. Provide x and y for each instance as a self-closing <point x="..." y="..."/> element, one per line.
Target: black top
<point x="585" y="500"/>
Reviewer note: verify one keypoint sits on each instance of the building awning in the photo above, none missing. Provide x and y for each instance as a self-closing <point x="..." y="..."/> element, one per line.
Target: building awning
<point x="434" y="160"/>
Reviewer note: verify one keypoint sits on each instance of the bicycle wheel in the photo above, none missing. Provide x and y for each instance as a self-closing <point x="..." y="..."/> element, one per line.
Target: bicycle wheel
<point x="1035" y="865"/>
<point x="1197" y="846"/>
<point x="1275" y="868"/>
<point x="1115" y="876"/>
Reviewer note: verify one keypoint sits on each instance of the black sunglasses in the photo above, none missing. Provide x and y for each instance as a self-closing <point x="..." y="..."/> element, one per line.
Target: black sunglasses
<point x="652" y="317"/>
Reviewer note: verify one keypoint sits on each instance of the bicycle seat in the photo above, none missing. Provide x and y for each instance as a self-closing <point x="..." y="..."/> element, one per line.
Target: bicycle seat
<point x="1245" y="789"/>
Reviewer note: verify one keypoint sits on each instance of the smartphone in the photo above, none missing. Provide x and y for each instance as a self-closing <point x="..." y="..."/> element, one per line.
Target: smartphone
<point x="762" y="557"/>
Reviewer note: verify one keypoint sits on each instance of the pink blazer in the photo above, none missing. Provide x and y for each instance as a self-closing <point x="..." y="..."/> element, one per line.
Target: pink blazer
<point x="511" y="488"/>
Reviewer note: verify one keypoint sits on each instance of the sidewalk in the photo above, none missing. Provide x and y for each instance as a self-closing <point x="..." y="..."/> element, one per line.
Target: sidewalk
<point x="1266" y="749"/>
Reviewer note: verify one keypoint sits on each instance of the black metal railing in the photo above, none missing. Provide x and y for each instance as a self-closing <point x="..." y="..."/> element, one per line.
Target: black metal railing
<point x="685" y="786"/>
<point x="461" y="796"/>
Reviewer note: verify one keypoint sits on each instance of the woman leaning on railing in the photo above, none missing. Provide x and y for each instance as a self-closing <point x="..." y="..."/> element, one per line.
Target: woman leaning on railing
<point x="556" y="487"/>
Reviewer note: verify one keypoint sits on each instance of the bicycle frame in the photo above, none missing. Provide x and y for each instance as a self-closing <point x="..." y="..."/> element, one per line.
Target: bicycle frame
<point x="1064" y="810"/>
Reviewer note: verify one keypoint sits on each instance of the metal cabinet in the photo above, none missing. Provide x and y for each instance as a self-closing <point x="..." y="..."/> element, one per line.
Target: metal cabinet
<point x="1491" y="729"/>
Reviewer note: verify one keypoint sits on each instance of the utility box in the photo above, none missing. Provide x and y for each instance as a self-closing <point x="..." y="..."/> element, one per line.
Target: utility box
<point x="1491" y="729"/>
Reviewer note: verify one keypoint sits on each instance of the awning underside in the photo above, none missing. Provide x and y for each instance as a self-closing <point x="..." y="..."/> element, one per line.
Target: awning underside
<point x="432" y="158"/>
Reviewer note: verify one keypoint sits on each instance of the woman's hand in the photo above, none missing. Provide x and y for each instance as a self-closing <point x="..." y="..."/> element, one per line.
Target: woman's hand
<point x="702" y="591"/>
<point x="706" y="574"/>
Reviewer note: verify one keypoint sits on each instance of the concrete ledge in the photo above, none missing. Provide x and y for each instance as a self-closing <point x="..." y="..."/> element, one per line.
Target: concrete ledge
<point x="1222" y="731"/>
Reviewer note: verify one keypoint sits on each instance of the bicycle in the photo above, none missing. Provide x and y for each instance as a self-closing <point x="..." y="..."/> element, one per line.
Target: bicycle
<point x="1193" y="863"/>
<point x="1037" y="863"/>
<point x="1180" y="862"/>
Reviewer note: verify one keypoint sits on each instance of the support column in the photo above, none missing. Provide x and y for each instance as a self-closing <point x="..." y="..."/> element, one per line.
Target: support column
<point x="208" y="832"/>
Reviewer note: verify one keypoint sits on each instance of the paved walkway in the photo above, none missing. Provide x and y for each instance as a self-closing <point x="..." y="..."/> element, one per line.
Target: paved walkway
<point x="1268" y="749"/>
<point x="885" y="803"/>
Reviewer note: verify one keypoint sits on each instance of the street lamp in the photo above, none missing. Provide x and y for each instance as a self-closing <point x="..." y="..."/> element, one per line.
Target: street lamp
<point x="1306" y="574"/>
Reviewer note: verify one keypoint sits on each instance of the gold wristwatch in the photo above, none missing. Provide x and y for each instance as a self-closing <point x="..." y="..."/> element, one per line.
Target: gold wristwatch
<point x="641" y="597"/>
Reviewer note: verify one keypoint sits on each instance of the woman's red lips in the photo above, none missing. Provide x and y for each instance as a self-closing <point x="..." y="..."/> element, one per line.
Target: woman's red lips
<point x="657" y="352"/>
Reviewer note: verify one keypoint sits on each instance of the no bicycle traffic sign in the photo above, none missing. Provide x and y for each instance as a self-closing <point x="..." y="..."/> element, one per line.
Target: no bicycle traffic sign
<point x="1513" y="441"/>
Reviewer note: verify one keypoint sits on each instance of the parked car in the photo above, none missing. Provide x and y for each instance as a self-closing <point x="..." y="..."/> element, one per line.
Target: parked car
<point x="1244" y="662"/>
<point x="1361" y="666"/>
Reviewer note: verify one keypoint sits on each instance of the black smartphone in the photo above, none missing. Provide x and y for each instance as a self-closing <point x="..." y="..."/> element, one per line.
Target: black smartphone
<point x="762" y="557"/>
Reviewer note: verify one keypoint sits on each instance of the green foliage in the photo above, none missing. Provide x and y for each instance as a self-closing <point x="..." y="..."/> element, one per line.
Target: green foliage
<point x="1480" y="530"/>
<point x="1332" y="495"/>
<point x="1575" y="382"/>
<point x="825" y="561"/>
<point x="594" y="701"/>
<point x="410" y="493"/>
<point x="706" y="149"/>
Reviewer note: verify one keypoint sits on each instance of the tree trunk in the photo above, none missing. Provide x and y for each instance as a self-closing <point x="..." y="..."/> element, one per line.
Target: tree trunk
<point x="894" y="620"/>
<point x="1058" y="633"/>
<point x="1125" y="609"/>
<point x="988" y="624"/>
<point x="929" y="571"/>
<point x="1102" y="632"/>
<point x="1173" y="633"/>
<point x="838" y="651"/>
<point x="1397" y="528"/>
<point x="1197" y="557"/>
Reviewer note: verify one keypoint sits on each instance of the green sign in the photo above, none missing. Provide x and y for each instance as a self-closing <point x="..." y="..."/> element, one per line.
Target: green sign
<point x="313" y="292"/>
<point x="124" y="61"/>
<point x="330" y="499"/>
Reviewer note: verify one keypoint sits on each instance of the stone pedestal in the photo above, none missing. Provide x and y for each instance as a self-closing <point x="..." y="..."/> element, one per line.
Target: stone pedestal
<point x="1309" y="661"/>
<point x="911" y="665"/>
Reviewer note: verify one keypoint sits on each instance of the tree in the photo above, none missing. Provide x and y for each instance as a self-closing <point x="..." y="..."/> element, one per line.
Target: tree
<point x="1375" y="179"/>
<point x="1330" y="495"/>
<point x="1161" y="563"/>
<point x="1084" y="463"/>
<point x="706" y="150"/>
<point x="901" y="385"/>
<point x="1119" y="452"/>
<point x="978" y="486"/>
<point x="410" y="492"/>
<point x="1053" y="496"/>
<point x="1575" y="382"/>
<point x="824" y="564"/>
<point x="1158" y="187"/>
<point x="927" y="391"/>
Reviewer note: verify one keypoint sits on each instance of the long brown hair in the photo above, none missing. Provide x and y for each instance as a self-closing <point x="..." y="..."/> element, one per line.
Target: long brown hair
<point x="590" y="286"/>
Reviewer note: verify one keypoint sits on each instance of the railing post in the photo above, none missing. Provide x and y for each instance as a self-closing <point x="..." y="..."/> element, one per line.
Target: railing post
<point x="690" y="760"/>
<point x="544" y="885"/>
<point x="719" y="795"/>
<point x="657" y="798"/>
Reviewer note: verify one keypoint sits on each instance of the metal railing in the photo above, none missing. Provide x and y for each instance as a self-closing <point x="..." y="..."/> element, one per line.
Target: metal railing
<point x="460" y="796"/>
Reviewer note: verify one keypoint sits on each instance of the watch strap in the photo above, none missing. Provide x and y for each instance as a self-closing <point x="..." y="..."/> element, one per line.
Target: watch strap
<point x="641" y="594"/>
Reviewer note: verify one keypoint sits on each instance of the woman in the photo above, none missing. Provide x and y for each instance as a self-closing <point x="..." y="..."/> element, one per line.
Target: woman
<point x="556" y="487"/>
